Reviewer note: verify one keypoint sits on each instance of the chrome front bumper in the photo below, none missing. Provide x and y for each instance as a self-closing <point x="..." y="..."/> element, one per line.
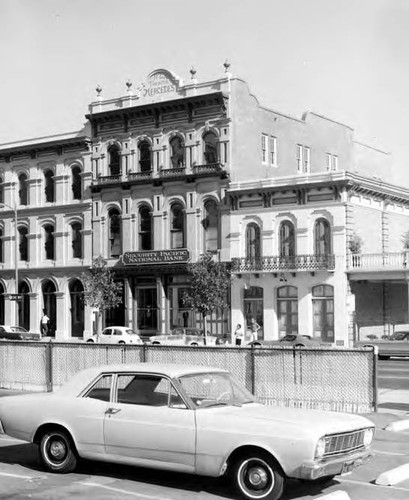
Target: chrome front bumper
<point x="333" y="466"/>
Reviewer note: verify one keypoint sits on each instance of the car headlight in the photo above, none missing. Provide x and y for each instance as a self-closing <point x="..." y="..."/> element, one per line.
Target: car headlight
<point x="320" y="448"/>
<point x="368" y="436"/>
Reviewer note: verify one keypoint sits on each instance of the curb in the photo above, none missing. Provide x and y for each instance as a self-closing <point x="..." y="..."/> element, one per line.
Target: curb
<point x="393" y="476"/>
<point x="336" y="495"/>
<point x="398" y="425"/>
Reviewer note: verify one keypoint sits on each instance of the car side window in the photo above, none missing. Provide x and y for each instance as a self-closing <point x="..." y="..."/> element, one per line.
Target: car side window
<point x="107" y="331"/>
<point x="117" y="332"/>
<point x="147" y="390"/>
<point x="101" y="389"/>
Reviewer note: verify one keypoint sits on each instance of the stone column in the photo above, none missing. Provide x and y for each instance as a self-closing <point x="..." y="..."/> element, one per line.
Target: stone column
<point x="61" y="332"/>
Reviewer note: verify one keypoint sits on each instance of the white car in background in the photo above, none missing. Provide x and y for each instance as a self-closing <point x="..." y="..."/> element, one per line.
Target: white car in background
<point x="183" y="336"/>
<point x="116" y="335"/>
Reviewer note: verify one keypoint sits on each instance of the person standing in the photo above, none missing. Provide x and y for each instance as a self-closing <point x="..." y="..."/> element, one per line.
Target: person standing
<point x="239" y="335"/>
<point x="254" y="328"/>
<point x="45" y="324"/>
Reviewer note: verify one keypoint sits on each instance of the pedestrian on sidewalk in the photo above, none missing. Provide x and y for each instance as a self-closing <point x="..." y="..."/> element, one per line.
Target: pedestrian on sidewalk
<point x="238" y="335"/>
<point x="45" y="324"/>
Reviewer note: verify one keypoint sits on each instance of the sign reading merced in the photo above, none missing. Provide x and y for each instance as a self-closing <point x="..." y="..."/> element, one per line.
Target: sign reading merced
<point x="157" y="256"/>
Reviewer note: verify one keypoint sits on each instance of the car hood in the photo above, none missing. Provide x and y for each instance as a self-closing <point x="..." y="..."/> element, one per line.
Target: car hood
<point x="313" y="421"/>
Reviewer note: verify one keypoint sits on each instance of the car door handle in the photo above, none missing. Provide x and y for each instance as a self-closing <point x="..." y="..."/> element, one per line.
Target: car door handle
<point x="112" y="411"/>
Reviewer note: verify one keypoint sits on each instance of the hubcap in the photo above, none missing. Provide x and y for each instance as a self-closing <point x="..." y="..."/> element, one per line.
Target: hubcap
<point x="57" y="450"/>
<point x="258" y="477"/>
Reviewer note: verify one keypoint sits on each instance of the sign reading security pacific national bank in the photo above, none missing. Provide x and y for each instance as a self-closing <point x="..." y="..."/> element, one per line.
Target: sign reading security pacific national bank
<point x="155" y="257"/>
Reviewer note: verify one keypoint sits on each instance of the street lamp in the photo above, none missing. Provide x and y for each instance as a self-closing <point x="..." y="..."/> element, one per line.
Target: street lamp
<point x="4" y="205"/>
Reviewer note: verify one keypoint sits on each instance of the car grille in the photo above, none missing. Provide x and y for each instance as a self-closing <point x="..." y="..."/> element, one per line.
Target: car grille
<point x="344" y="443"/>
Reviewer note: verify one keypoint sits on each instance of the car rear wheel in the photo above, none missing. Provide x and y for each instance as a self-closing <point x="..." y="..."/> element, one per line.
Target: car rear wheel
<point x="257" y="476"/>
<point x="58" y="452"/>
<point x="121" y="342"/>
<point x="299" y="345"/>
<point x="90" y="341"/>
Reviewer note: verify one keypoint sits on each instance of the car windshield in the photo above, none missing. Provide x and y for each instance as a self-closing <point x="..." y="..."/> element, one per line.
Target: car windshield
<point x="400" y="335"/>
<point x="215" y="389"/>
<point x="18" y="329"/>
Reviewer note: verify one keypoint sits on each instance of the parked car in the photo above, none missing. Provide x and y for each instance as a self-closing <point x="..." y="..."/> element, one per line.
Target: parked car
<point x="183" y="336"/>
<point x="17" y="333"/>
<point x="193" y="419"/>
<point x="117" y="335"/>
<point x="396" y="345"/>
<point x="291" y="340"/>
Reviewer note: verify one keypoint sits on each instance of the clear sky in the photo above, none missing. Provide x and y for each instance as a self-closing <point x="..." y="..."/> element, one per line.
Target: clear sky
<point x="345" y="59"/>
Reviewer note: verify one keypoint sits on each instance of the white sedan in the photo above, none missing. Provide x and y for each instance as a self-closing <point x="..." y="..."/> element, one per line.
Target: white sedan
<point x="193" y="419"/>
<point x="183" y="336"/>
<point x="116" y="335"/>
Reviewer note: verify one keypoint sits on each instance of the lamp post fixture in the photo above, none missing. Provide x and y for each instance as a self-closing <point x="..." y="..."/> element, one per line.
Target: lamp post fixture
<point x="14" y="209"/>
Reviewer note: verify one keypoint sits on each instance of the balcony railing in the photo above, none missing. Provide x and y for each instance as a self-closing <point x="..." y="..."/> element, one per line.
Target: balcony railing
<point x="138" y="176"/>
<point x="109" y="179"/>
<point x="172" y="172"/>
<point x="306" y="262"/>
<point x="209" y="168"/>
<point x="371" y="261"/>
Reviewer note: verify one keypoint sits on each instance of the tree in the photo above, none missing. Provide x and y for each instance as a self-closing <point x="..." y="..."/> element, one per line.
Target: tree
<point x="101" y="292"/>
<point x="355" y="243"/>
<point x="405" y="241"/>
<point x="209" y="284"/>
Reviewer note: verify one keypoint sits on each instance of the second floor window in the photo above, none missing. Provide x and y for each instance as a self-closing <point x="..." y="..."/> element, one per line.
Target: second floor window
<point x="1" y="246"/>
<point x="114" y="159"/>
<point x="177" y="152"/>
<point x="22" y="189"/>
<point x="49" y="242"/>
<point x="76" y="240"/>
<point x="211" y="226"/>
<point x="210" y="148"/>
<point x="253" y="247"/>
<point x="269" y="149"/>
<point x="23" y="243"/>
<point x="115" y="233"/>
<point x="145" y="158"/>
<point x="332" y="162"/>
<point x="322" y="237"/>
<point x="145" y="229"/>
<point x="303" y="159"/>
<point x="76" y="183"/>
<point x="49" y="186"/>
<point x="287" y="239"/>
<point x="177" y="226"/>
<point x="1" y="191"/>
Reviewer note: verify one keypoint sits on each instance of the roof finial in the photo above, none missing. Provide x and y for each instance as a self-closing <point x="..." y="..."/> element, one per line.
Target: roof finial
<point x="226" y="65"/>
<point x="129" y="86"/>
<point x="99" y="91"/>
<point x="193" y="73"/>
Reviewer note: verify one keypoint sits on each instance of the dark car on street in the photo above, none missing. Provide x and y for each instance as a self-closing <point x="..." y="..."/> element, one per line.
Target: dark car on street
<point x="17" y="333"/>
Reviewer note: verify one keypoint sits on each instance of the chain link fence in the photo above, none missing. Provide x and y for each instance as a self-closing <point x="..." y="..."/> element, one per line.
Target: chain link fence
<point x="328" y="379"/>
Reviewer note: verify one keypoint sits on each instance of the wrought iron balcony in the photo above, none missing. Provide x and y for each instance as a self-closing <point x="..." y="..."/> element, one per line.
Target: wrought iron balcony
<point x="276" y="263"/>
<point x="378" y="261"/>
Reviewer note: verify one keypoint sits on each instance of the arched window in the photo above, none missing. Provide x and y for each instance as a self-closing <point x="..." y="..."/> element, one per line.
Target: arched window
<point x="23" y="243"/>
<point x="323" y="310"/>
<point x="114" y="160"/>
<point x="115" y="233"/>
<point x="253" y="307"/>
<point x="211" y="226"/>
<point x="145" y="229"/>
<point x="1" y="191"/>
<point x="24" y="306"/>
<point x="287" y="310"/>
<point x="287" y="239"/>
<point x="1" y="304"/>
<point x="177" y="152"/>
<point x="177" y="226"/>
<point x="76" y="228"/>
<point x="253" y="241"/>
<point x="322" y="236"/>
<point x="145" y="160"/>
<point x="76" y="183"/>
<point x="50" y="305"/>
<point x="49" y="186"/>
<point x="1" y="246"/>
<point x="210" y="148"/>
<point x="22" y="189"/>
<point x="77" y="308"/>
<point x="49" y="242"/>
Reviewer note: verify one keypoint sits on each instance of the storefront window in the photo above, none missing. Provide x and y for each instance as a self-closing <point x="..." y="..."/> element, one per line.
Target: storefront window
<point x="147" y="309"/>
<point x="253" y="308"/>
<point x="323" y="308"/>
<point x="287" y="310"/>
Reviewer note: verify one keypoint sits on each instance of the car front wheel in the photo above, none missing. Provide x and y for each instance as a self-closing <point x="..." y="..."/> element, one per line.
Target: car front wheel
<point x="258" y="477"/>
<point x="57" y="452"/>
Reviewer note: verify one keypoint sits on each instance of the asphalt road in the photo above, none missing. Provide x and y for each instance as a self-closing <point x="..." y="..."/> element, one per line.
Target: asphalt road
<point x="393" y="373"/>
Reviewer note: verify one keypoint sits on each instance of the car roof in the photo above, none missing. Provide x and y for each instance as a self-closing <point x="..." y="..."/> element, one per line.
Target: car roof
<point x="82" y="378"/>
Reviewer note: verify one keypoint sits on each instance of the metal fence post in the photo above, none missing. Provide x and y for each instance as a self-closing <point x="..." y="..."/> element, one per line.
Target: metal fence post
<point x="253" y="369"/>
<point x="49" y="366"/>
<point x="375" y="378"/>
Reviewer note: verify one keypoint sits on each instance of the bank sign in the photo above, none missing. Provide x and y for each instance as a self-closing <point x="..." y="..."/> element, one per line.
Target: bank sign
<point x="155" y="257"/>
